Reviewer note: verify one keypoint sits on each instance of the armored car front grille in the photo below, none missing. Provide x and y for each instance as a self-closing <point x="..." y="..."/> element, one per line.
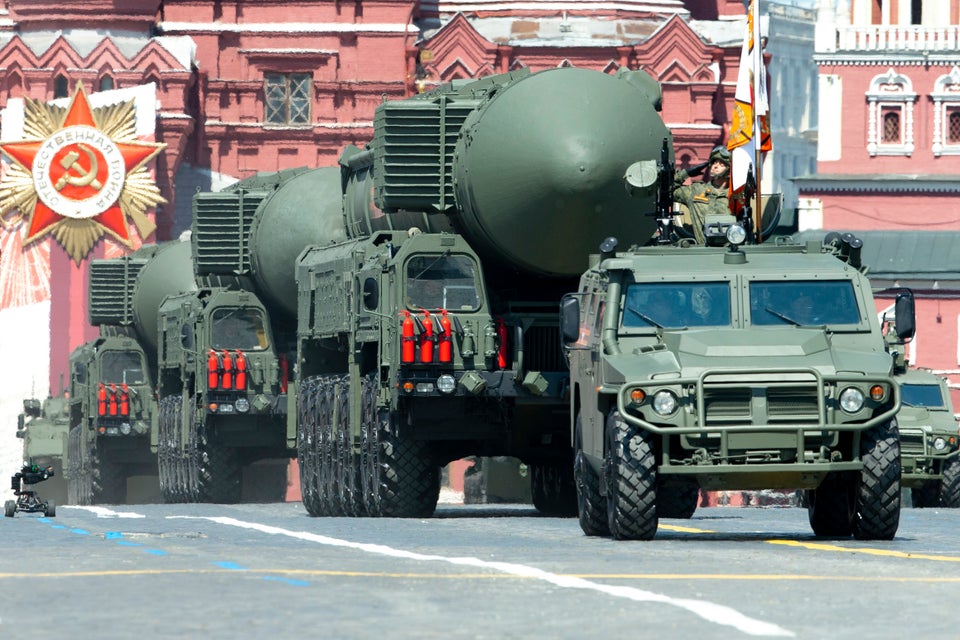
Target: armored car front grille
<point x="725" y="405"/>
<point x="541" y="349"/>
<point x="911" y="442"/>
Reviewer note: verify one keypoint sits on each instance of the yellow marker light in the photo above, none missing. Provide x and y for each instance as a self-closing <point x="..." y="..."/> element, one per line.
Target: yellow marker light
<point x="877" y="392"/>
<point x="213" y="406"/>
<point x="408" y="386"/>
<point x="637" y="396"/>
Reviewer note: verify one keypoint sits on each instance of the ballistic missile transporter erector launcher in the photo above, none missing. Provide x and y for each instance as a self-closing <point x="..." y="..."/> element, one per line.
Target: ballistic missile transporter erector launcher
<point x="737" y="367"/>
<point x="427" y="327"/>
<point x="113" y="406"/>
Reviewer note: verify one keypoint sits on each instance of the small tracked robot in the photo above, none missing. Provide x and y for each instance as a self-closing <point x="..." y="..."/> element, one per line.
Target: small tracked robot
<point x="29" y="501"/>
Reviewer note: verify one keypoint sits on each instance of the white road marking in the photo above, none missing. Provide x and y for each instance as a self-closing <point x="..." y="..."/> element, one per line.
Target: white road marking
<point x="709" y="611"/>
<point x="103" y="512"/>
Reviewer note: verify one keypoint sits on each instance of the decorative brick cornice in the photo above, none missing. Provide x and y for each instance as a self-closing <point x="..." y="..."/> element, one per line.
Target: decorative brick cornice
<point x="878" y="183"/>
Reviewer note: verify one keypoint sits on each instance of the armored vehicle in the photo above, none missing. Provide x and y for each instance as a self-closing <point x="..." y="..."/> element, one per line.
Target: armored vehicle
<point x="497" y="479"/>
<point x="113" y="406"/>
<point x="43" y="426"/>
<point x="427" y="323"/>
<point x="930" y="454"/>
<point x="739" y="367"/>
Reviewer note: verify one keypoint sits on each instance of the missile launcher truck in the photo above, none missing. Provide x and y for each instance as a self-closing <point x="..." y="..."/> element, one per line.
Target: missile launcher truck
<point x="113" y="406"/>
<point x="428" y="322"/>
<point x="930" y="451"/>
<point x="43" y="427"/>
<point x="745" y="366"/>
<point x="227" y="348"/>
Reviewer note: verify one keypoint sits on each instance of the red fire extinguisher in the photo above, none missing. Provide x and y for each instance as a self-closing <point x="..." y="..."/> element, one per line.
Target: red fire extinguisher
<point x="502" y="346"/>
<point x="125" y="400"/>
<point x="426" y="338"/>
<point x="227" y="370"/>
<point x="407" y="338"/>
<point x="446" y="338"/>
<point x="240" y="380"/>
<point x="102" y="400"/>
<point x="213" y="366"/>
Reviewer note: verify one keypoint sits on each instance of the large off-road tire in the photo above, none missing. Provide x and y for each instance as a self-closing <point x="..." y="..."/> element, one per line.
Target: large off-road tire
<point x="168" y="450"/>
<point x="553" y="489"/>
<point x="348" y="464"/>
<point x="80" y="481"/>
<point x="110" y="479"/>
<point x="221" y="471"/>
<point x="50" y="509"/>
<point x="10" y="508"/>
<point x="369" y="447"/>
<point x="830" y="506"/>
<point x="677" y="497"/>
<point x="591" y="505"/>
<point x="329" y="449"/>
<point x="926" y="496"/>
<point x="630" y="472"/>
<point x="950" y="484"/>
<point x="409" y="485"/>
<point x="877" y="510"/>
<point x="307" y="458"/>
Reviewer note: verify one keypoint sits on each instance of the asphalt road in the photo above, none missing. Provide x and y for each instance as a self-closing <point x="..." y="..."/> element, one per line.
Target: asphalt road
<point x="270" y="571"/>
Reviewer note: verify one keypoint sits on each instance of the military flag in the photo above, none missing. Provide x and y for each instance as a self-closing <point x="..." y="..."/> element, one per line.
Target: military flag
<point x="751" y="112"/>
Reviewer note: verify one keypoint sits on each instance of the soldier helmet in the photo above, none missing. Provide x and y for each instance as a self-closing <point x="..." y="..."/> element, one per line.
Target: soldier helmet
<point x="720" y="153"/>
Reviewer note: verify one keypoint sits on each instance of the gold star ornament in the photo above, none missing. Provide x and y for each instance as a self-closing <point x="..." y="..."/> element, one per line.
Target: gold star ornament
<point x="79" y="173"/>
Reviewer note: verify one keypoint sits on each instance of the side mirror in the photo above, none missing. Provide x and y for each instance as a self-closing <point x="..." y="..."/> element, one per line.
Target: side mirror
<point x="569" y="319"/>
<point x="905" y="316"/>
<point x="80" y="373"/>
<point x="371" y="294"/>
<point x="186" y="337"/>
<point x="20" y="422"/>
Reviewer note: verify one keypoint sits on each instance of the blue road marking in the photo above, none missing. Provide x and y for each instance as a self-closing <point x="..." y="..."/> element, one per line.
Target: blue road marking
<point x="82" y="532"/>
<point x="233" y="566"/>
<point x="127" y="543"/>
<point x="59" y="526"/>
<point x="156" y="552"/>
<point x="112" y="535"/>
<point x="290" y="581"/>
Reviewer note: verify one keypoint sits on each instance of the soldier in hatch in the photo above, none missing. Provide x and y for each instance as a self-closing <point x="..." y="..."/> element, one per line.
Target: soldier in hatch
<point x="707" y="196"/>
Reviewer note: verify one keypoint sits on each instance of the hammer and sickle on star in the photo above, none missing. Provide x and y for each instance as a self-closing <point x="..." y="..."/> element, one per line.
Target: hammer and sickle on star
<point x="86" y="178"/>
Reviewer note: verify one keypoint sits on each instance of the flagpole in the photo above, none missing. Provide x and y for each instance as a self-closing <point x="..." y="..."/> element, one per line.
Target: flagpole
<point x="757" y="133"/>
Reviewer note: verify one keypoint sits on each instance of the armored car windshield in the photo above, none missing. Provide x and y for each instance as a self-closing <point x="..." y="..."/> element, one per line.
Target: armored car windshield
<point x="672" y="305"/>
<point x="442" y="282"/>
<point x="803" y="303"/>
<point x="235" y="328"/>
<point x="122" y="366"/>
<point x="921" y="395"/>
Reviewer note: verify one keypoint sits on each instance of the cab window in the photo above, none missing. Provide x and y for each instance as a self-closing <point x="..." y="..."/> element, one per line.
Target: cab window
<point x="921" y="395"/>
<point x="442" y="282"/>
<point x="674" y="305"/>
<point x="236" y="328"/>
<point x="803" y="303"/>
<point x="122" y="367"/>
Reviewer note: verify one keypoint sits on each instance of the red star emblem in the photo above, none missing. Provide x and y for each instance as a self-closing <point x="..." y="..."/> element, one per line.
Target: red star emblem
<point x="78" y="171"/>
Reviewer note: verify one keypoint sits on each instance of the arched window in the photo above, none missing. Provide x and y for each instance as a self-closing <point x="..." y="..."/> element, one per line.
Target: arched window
<point x="891" y="126"/>
<point x="106" y="83"/>
<point x="946" y="114"/>
<point x="890" y="115"/>
<point x="61" y="88"/>
<point x="953" y="125"/>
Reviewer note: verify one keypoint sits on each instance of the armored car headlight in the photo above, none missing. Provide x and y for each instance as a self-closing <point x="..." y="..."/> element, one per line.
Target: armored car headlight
<point x="736" y="234"/>
<point x="242" y="405"/>
<point x="851" y="400"/>
<point x="939" y="444"/>
<point x="125" y="428"/>
<point x="446" y="383"/>
<point x="664" y="403"/>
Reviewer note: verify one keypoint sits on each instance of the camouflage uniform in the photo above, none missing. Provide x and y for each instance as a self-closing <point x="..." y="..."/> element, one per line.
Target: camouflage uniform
<point x="700" y="199"/>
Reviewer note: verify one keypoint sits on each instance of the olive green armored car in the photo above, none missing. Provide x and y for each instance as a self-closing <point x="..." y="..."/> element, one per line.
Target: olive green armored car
<point x="736" y="367"/>
<point x="43" y="428"/>
<point x="930" y="453"/>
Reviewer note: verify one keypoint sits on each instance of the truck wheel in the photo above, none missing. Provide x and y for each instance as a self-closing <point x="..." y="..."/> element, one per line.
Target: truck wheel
<point x="926" y="496"/>
<point x="877" y="514"/>
<point x="591" y="505"/>
<point x="830" y="506"/>
<point x="329" y="482"/>
<point x="553" y="490"/>
<point x="630" y="471"/>
<point x="950" y="485"/>
<point x="110" y="485"/>
<point x="80" y="484"/>
<point x="50" y="509"/>
<point x="307" y="446"/>
<point x="348" y="476"/>
<point x="409" y="484"/>
<point x="369" y="447"/>
<point x="165" y="460"/>
<point x="218" y="468"/>
<point x="677" y="498"/>
<point x="9" y="508"/>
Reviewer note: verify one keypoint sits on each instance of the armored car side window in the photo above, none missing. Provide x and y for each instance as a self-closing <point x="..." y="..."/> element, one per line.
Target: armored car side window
<point x="122" y="366"/>
<point x="921" y="395"/>
<point x="674" y="305"/>
<point x="243" y="329"/>
<point x="803" y="303"/>
<point x="442" y="282"/>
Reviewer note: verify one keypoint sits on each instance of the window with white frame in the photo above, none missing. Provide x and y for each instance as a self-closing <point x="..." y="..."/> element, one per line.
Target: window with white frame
<point x="890" y="102"/>
<point x="946" y="114"/>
